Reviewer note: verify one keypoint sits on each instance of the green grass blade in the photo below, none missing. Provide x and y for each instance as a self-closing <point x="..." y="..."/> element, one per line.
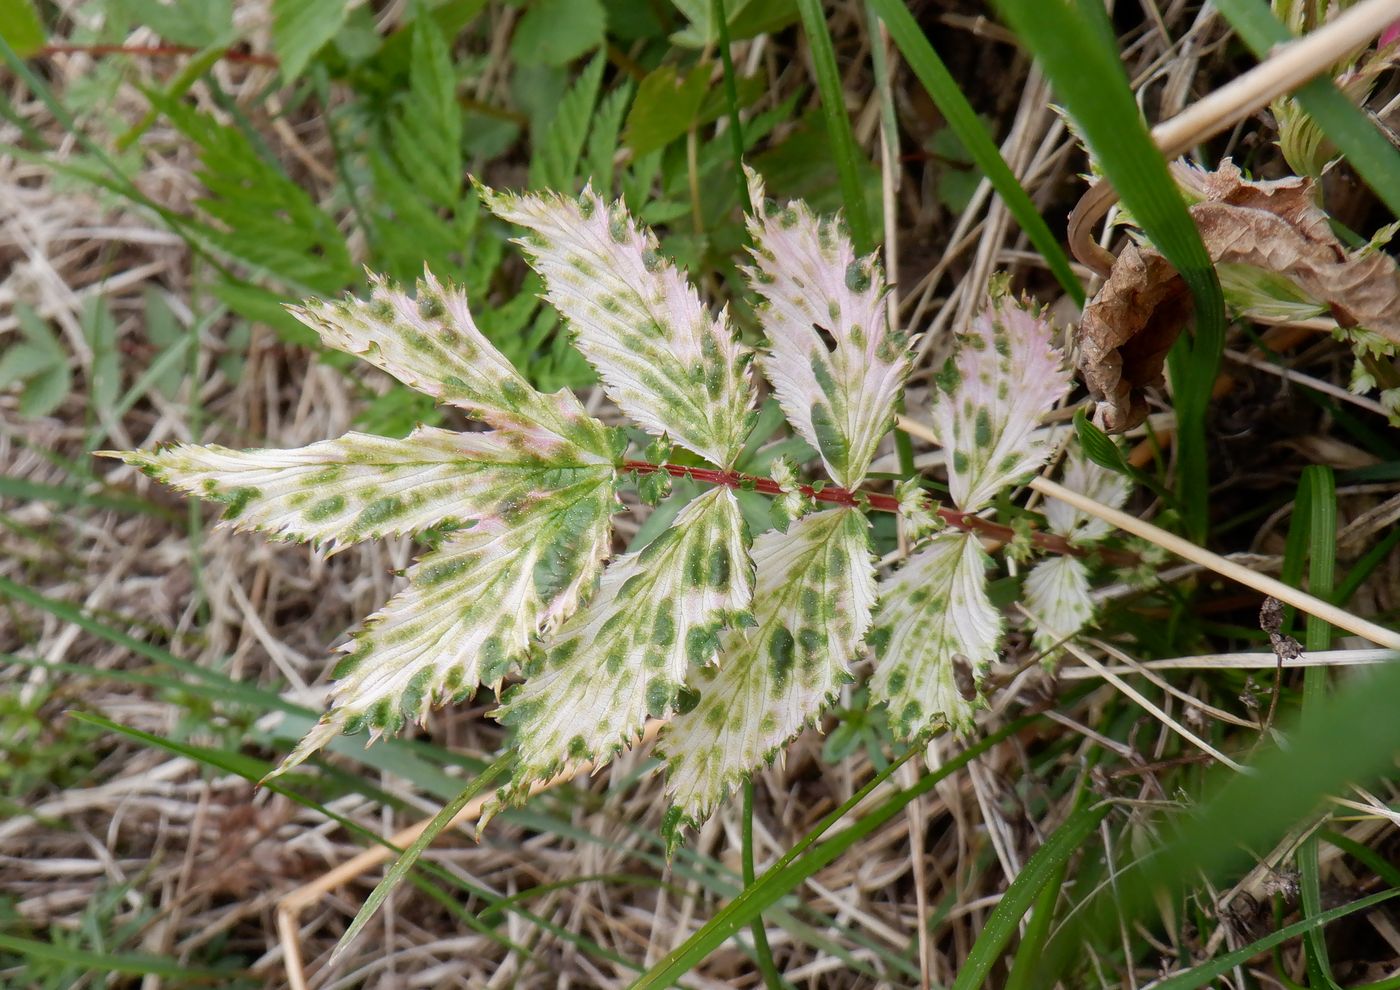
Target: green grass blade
<point x="410" y="855"/>
<point x="807" y="858"/>
<point x="1088" y="79"/>
<point x="838" y="125"/>
<point x="771" y="979"/>
<point x="37" y="491"/>
<point x="1375" y="159"/>
<point x="1322" y="562"/>
<point x="964" y="122"/>
<point x="1040" y="870"/>
<point x="1027" y="962"/>
<point x="1199" y="976"/>
<point x="1351" y="738"/>
<point x="112" y="962"/>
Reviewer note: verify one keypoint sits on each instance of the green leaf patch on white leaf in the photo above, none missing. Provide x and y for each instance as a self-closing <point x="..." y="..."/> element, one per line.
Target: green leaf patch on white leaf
<point x="430" y="342"/>
<point x="836" y="367"/>
<point x="1005" y="376"/>
<point x="935" y="635"/>
<point x="470" y="612"/>
<point x="663" y="357"/>
<point x="361" y="486"/>
<point x="815" y="590"/>
<point x="627" y="654"/>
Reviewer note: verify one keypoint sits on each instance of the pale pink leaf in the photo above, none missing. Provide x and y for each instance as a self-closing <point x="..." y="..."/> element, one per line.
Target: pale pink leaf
<point x="1006" y="376"/>
<point x="360" y="486"/>
<point x="836" y="367"/>
<point x="663" y="357"/>
<point x="626" y="655"/>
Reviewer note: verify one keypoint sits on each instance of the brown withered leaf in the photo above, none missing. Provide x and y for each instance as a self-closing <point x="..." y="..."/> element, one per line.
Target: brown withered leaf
<point x="1274" y="227"/>
<point x="1126" y="332"/>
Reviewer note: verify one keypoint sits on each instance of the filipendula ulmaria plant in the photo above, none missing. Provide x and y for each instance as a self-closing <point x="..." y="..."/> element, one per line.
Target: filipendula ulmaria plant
<point x="755" y="637"/>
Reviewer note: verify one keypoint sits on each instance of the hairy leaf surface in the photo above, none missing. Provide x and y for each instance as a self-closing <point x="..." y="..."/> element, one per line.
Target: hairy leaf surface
<point x="1005" y="376"/>
<point x="835" y="366"/>
<point x="360" y="486"/>
<point x="935" y="634"/>
<point x="469" y="613"/>
<point x="625" y="656"/>
<point x="431" y="343"/>
<point x="663" y="358"/>
<point x="1057" y="595"/>
<point x="814" y="593"/>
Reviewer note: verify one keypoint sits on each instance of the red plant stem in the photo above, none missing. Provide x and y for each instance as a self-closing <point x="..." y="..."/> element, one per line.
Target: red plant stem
<point x="152" y="51"/>
<point x="883" y="503"/>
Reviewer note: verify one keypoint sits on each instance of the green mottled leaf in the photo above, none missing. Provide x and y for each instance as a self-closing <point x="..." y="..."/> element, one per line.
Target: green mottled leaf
<point x="663" y="358"/>
<point x="936" y="633"/>
<point x="814" y="592"/>
<point x="836" y="368"/>
<point x="626" y="655"/>
<point x="1057" y="595"/>
<point x="430" y="343"/>
<point x="471" y="610"/>
<point x="1006" y="377"/>
<point x="360" y="487"/>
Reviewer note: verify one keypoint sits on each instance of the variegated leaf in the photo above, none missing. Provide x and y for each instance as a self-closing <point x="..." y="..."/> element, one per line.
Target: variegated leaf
<point x="430" y="343"/>
<point x="836" y="367"/>
<point x="935" y="634"/>
<point x="360" y="486"/>
<point x="814" y="593"/>
<point x="663" y="358"/>
<point x="626" y="655"/>
<point x="469" y="613"/>
<point x="1005" y="377"/>
<point x="1100" y="484"/>
<point x="1057" y="595"/>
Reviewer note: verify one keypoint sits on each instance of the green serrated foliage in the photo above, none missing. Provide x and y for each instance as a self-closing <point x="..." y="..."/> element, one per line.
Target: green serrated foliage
<point x="663" y="357"/>
<point x="744" y="18"/>
<point x="936" y="634"/>
<point x="835" y="366"/>
<point x="430" y="342"/>
<point x="301" y="28"/>
<point x="264" y="218"/>
<point x="626" y="655"/>
<point x="427" y="135"/>
<point x="555" y="32"/>
<point x="558" y="140"/>
<point x="814" y="592"/>
<point x="471" y="609"/>
<point x="604" y="139"/>
<point x="666" y="106"/>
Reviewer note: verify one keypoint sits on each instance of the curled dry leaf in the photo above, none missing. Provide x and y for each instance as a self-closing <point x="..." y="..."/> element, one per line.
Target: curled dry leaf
<point x="1276" y="253"/>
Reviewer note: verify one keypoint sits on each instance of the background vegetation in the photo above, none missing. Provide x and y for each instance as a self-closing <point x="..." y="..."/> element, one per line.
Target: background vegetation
<point x="172" y="172"/>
